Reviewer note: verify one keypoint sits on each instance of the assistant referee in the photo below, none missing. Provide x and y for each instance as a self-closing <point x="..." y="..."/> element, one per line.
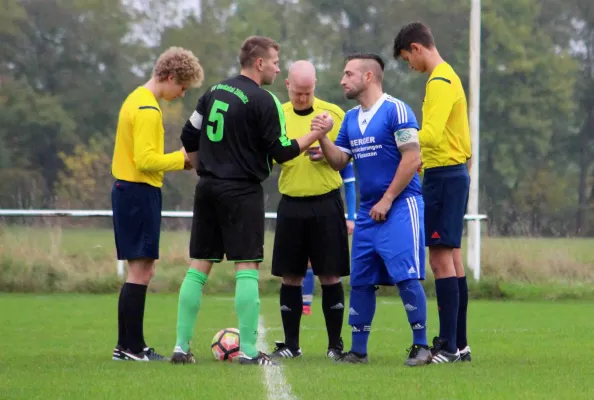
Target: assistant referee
<point x="310" y="220"/>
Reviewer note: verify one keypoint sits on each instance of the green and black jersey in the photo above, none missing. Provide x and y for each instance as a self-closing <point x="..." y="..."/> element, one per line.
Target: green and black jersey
<point x="238" y="128"/>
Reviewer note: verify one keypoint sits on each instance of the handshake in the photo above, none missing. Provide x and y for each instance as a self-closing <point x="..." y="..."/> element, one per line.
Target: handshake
<point x="320" y="125"/>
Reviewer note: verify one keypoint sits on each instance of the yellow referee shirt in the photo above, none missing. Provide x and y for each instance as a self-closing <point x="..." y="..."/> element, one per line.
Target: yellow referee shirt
<point x="301" y="177"/>
<point x="445" y="133"/>
<point x="138" y="154"/>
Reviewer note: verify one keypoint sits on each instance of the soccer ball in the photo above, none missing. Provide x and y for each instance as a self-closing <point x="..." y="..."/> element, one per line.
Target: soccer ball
<point x="225" y="344"/>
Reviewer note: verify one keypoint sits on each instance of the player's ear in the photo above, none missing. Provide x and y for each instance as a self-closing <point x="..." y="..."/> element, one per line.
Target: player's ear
<point x="368" y="76"/>
<point x="287" y="83"/>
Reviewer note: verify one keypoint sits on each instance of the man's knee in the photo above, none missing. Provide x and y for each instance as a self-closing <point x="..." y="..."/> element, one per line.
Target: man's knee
<point x="458" y="264"/>
<point x="442" y="261"/>
<point x="327" y="280"/>
<point x="292" y="280"/>
<point x="204" y="266"/>
<point x="141" y="271"/>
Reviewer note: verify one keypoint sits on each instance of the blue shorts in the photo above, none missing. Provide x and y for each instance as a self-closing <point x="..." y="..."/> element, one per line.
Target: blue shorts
<point x="136" y="219"/>
<point x="445" y="192"/>
<point x="385" y="253"/>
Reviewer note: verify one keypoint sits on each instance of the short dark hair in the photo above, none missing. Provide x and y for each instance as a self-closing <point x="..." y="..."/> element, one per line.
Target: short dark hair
<point x="415" y="32"/>
<point x="365" y="56"/>
<point x="255" y="47"/>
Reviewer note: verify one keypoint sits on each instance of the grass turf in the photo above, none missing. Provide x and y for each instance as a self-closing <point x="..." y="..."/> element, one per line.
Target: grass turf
<point x="59" y="347"/>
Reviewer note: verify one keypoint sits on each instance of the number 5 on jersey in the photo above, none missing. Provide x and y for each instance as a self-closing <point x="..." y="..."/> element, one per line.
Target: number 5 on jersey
<point x="216" y="116"/>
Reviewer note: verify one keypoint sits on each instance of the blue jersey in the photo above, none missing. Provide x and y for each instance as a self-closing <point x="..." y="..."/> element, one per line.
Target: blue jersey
<point x="348" y="173"/>
<point x="369" y="137"/>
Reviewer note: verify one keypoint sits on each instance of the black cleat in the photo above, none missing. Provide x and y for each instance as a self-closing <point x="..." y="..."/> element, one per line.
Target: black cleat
<point x="119" y="354"/>
<point x="440" y="355"/>
<point x="418" y="355"/>
<point x="153" y="355"/>
<point x="181" y="357"/>
<point x="465" y="354"/>
<point x="283" y="351"/>
<point x="260" y="359"/>
<point x="352" y="358"/>
<point x="336" y="352"/>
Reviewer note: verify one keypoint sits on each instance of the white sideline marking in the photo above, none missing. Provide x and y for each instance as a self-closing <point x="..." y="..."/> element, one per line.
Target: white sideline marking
<point x="276" y="385"/>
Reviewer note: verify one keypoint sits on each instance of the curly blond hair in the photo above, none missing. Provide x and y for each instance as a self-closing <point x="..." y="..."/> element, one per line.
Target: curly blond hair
<point x="182" y="64"/>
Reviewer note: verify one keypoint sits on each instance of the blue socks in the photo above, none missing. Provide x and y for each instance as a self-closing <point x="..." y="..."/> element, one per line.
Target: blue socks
<point x="361" y="312"/>
<point x="415" y="304"/>
<point x="308" y="287"/>
<point x="447" y="305"/>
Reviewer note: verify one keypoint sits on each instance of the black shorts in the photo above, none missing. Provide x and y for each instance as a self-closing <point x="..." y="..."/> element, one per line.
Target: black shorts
<point x="311" y="228"/>
<point x="136" y="219"/>
<point x="228" y="221"/>
<point x="445" y="193"/>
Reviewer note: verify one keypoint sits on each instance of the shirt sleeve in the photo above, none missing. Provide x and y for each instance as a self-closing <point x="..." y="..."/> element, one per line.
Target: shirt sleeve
<point x="342" y="140"/>
<point x="348" y="173"/>
<point x="190" y="136"/>
<point x="273" y="130"/>
<point x="146" y="130"/>
<point x="404" y="124"/>
<point x="440" y="100"/>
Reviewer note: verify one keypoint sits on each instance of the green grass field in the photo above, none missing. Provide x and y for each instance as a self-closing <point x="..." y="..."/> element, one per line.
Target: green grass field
<point x="59" y="347"/>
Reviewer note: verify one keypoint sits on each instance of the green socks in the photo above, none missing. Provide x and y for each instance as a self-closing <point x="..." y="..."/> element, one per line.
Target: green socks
<point x="247" y="307"/>
<point x="190" y="297"/>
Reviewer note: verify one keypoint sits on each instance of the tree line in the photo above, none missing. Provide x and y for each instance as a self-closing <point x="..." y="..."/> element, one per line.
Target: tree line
<point x="66" y="66"/>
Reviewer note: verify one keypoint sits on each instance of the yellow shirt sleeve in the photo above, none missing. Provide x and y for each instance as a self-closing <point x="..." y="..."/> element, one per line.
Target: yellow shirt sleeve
<point x="439" y="102"/>
<point x="146" y="131"/>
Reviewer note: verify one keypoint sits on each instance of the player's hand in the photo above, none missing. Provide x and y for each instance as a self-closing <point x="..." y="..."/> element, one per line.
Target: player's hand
<point x="187" y="163"/>
<point x="322" y="122"/>
<point x="350" y="226"/>
<point x="379" y="212"/>
<point x="315" y="153"/>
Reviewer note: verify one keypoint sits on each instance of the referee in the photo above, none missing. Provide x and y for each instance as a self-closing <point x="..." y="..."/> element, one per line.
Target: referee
<point x="138" y="166"/>
<point x="237" y="130"/>
<point x="310" y="221"/>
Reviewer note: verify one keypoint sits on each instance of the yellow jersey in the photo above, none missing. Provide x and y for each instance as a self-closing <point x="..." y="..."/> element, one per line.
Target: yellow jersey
<point x="138" y="154"/>
<point x="445" y="133"/>
<point x="301" y="177"/>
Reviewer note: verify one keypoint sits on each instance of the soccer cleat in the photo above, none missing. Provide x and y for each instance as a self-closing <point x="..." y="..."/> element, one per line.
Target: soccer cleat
<point x="120" y="354"/>
<point x="335" y="352"/>
<point x="465" y="354"/>
<point x="352" y="358"/>
<point x="181" y="357"/>
<point x="260" y="359"/>
<point x="441" y="356"/>
<point x="283" y="351"/>
<point x="306" y="310"/>
<point x="418" y="355"/>
<point x="153" y="355"/>
<point x="117" y="354"/>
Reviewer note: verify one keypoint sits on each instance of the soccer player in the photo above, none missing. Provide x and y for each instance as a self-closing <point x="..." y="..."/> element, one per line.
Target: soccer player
<point x="380" y="134"/>
<point x="138" y="166"/>
<point x="445" y="145"/>
<point x="235" y="133"/>
<point x="310" y="221"/>
<point x="348" y="180"/>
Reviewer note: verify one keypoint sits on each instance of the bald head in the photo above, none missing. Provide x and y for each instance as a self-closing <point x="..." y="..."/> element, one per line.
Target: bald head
<point x="301" y="84"/>
<point x="302" y="73"/>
